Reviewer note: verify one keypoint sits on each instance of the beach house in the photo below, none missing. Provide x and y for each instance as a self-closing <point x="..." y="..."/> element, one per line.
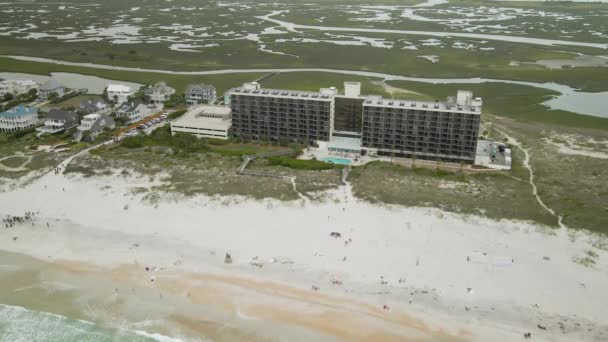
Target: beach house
<point x="50" y="87"/>
<point x="58" y="120"/>
<point x="94" y="106"/>
<point x="18" y="118"/>
<point x="200" y="93"/>
<point x="159" y="93"/>
<point x="92" y="125"/>
<point x="134" y="111"/>
<point x="119" y="93"/>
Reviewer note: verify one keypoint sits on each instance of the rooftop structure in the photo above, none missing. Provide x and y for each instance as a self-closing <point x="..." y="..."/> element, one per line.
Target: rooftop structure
<point x="94" y="106"/>
<point x="58" y="120"/>
<point x="469" y="108"/>
<point x="118" y="88"/>
<point x="253" y="89"/>
<point x="119" y="93"/>
<point x="204" y="121"/>
<point x="352" y="89"/>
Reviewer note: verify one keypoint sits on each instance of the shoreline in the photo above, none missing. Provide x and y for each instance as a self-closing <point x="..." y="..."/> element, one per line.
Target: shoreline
<point x="415" y="262"/>
<point x="211" y="296"/>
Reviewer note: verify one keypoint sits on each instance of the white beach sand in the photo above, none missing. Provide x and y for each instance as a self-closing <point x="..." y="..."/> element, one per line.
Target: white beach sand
<point x="414" y="260"/>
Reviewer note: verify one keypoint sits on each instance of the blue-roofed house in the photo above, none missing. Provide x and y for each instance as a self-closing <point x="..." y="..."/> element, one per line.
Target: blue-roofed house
<point x="18" y="118"/>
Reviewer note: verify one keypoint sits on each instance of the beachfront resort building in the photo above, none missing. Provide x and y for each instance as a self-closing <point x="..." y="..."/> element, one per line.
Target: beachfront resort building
<point x="281" y="115"/>
<point x="159" y="93"/>
<point x="92" y="125"/>
<point x="134" y="111"/>
<point x="50" y="87"/>
<point x="119" y="93"/>
<point x="58" y="120"/>
<point x="204" y="121"/>
<point x="356" y="124"/>
<point x="17" y="87"/>
<point x="18" y="118"/>
<point x="446" y="131"/>
<point x="199" y="94"/>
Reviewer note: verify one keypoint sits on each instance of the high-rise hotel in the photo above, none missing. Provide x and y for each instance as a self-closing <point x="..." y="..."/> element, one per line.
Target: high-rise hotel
<point x="445" y="131"/>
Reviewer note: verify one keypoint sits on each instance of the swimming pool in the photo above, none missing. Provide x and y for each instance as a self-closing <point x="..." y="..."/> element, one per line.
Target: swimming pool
<point x="340" y="161"/>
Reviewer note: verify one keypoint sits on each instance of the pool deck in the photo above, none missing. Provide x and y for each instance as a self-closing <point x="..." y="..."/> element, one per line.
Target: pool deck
<point x="338" y="161"/>
<point x="322" y="153"/>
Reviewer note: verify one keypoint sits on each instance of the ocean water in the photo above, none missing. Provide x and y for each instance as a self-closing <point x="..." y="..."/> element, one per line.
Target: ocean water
<point x="19" y="324"/>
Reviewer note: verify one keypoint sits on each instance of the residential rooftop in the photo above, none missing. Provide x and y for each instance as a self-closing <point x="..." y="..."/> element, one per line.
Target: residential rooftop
<point x="51" y="85"/>
<point x="118" y="88"/>
<point x="19" y="111"/>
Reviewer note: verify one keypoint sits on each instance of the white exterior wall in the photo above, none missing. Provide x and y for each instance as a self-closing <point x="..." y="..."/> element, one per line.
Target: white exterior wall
<point x="201" y="132"/>
<point x="198" y="96"/>
<point x="88" y="121"/>
<point x="464" y="97"/>
<point x="142" y="111"/>
<point x="17" y="123"/>
<point x="120" y="96"/>
<point x="157" y="97"/>
<point x="352" y="89"/>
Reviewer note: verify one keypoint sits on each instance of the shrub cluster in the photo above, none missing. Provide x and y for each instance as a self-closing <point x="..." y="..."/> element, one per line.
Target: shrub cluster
<point x="301" y="164"/>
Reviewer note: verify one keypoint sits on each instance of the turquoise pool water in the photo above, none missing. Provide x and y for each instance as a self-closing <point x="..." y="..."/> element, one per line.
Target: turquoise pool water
<point x="340" y="161"/>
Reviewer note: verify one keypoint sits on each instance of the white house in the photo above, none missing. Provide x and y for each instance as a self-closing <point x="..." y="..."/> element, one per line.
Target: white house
<point x="92" y="125"/>
<point x="17" y="87"/>
<point x="205" y="121"/>
<point x="133" y="110"/>
<point x="119" y="93"/>
<point x="18" y="118"/>
<point x="159" y="93"/>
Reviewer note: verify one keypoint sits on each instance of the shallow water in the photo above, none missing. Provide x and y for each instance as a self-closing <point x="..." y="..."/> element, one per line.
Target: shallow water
<point x="595" y="103"/>
<point x="94" y="84"/>
<point x="18" y="324"/>
<point x="569" y="100"/>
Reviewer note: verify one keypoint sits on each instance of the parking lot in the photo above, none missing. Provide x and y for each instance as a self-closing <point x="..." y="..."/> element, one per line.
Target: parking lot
<point x="147" y="127"/>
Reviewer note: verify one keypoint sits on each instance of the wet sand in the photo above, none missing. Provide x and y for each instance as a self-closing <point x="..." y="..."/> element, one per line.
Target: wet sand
<point x="207" y="304"/>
